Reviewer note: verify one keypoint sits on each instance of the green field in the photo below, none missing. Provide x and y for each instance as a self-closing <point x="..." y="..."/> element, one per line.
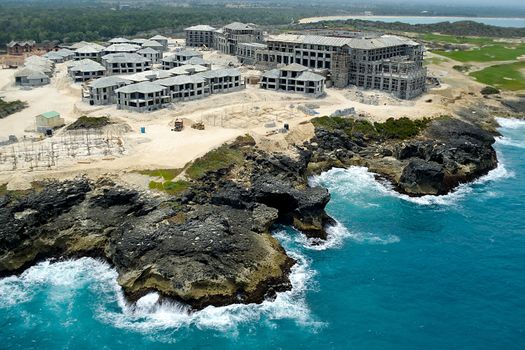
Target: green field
<point x="496" y="52"/>
<point x="503" y="76"/>
<point x="451" y="39"/>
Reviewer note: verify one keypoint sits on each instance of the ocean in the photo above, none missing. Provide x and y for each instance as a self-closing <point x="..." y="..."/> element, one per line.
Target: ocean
<point x="396" y="273"/>
<point x="493" y="21"/>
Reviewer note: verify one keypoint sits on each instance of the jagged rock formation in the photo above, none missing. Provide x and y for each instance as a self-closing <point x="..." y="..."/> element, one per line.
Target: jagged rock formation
<point x="447" y="153"/>
<point x="208" y="246"/>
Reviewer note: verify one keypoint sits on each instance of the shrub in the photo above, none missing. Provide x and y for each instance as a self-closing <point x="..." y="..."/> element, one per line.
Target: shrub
<point x="489" y="90"/>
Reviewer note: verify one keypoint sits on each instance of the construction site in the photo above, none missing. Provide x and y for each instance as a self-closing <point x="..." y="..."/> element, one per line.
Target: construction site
<point x="184" y="130"/>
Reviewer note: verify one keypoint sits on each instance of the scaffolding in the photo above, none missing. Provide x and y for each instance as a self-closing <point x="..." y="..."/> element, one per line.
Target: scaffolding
<point x="69" y="147"/>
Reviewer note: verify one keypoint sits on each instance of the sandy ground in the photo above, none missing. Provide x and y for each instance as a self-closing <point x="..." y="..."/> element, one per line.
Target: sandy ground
<point x="252" y="110"/>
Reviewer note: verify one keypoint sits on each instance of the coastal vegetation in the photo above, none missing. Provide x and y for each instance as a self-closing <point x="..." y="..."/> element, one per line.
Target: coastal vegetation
<point x="7" y="108"/>
<point x="489" y="90"/>
<point x="85" y="122"/>
<point x="398" y="129"/>
<point x="224" y="157"/>
<point x="503" y="76"/>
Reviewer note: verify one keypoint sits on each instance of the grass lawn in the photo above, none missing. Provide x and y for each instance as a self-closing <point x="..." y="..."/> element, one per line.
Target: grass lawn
<point x="166" y="174"/>
<point x="496" y="52"/>
<point x="457" y="39"/>
<point x="503" y="76"/>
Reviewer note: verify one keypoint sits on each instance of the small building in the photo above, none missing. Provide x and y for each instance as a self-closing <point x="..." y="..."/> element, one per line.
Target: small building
<point x="162" y="40"/>
<point x="125" y="63"/>
<point x="179" y="58"/>
<point x="294" y="78"/>
<point x="88" y="52"/>
<point x="142" y="97"/>
<point x="199" y="36"/>
<point x="153" y="55"/>
<point x="48" y="121"/>
<point x="31" y="76"/>
<point x="245" y="52"/>
<point x="80" y="44"/>
<point x="20" y="47"/>
<point x="85" y="70"/>
<point x="102" y="91"/>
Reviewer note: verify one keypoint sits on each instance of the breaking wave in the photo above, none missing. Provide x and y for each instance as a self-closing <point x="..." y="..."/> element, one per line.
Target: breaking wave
<point x="511" y="123"/>
<point x="337" y="235"/>
<point x="149" y="314"/>
<point x="363" y="188"/>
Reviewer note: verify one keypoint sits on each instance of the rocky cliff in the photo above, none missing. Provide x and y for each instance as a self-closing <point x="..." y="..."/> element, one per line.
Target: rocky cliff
<point x="443" y="154"/>
<point x="209" y="243"/>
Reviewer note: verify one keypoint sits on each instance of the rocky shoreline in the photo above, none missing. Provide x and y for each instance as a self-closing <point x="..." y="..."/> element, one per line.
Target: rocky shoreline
<point x="210" y="244"/>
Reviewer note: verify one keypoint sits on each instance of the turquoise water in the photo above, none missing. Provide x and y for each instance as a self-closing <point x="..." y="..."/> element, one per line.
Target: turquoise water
<point x="493" y="21"/>
<point x="397" y="273"/>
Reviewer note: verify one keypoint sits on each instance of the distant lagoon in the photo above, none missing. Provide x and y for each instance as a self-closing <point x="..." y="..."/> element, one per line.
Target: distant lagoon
<point x="494" y="21"/>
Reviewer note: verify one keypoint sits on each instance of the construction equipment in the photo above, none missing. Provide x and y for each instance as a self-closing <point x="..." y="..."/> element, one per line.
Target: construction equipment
<point x="179" y="125"/>
<point x="198" y="126"/>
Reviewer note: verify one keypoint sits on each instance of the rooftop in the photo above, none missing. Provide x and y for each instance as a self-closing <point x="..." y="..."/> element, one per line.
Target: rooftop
<point x="124" y="57"/>
<point x="201" y="27"/>
<point x="355" y="43"/>
<point x="144" y="87"/>
<point x="108" y="82"/>
<point x="240" y="26"/>
<point x="50" y="114"/>
<point x="151" y="43"/>
<point x="122" y="48"/>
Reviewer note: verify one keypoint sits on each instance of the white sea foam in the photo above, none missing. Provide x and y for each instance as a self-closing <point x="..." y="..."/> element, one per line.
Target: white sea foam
<point x="70" y="273"/>
<point x="507" y="141"/>
<point x="362" y="187"/>
<point x="511" y="123"/>
<point x="148" y="314"/>
<point x="337" y="235"/>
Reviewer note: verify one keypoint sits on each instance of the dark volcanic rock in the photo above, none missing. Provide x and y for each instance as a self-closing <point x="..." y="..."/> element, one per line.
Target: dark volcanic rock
<point x="421" y="176"/>
<point x="449" y="152"/>
<point x="209" y="254"/>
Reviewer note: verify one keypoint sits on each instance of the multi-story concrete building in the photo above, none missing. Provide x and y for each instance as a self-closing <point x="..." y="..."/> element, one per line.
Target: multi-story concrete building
<point x="294" y="78"/>
<point x="227" y="38"/>
<point x="388" y="63"/>
<point x="199" y="36"/>
<point x="121" y="48"/>
<point x="245" y="52"/>
<point x="142" y="97"/>
<point x="185" y="87"/>
<point x="125" y="63"/>
<point x="155" y="45"/>
<point x="85" y="70"/>
<point x="88" y="52"/>
<point x="157" y="91"/>
<point x="223" y="80"/>
<point x="162" y="40"/>
<point x="179" y="58"/>
<point x="102" y="91"/>
<point x="151" y="54"/>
